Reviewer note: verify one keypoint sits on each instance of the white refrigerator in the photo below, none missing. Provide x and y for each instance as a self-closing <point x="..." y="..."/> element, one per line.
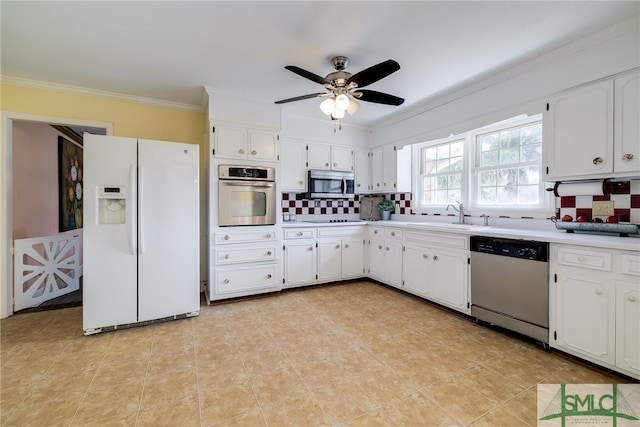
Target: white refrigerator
<point x="141" y="232"/>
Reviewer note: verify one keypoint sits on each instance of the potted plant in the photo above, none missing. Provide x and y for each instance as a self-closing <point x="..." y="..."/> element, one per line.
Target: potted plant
<point x="385" y="207"/>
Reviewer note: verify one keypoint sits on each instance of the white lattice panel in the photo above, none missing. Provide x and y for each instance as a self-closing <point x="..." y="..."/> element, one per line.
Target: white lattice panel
<point x="45" y="268"/>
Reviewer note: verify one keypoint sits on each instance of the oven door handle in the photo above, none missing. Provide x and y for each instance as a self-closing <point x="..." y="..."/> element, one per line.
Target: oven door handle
<point x="247" y="184"/>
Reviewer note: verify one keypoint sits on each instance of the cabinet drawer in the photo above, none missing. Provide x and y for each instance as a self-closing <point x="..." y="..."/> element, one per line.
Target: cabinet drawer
<point x="393" y="233"/>
<point x="594" y="260"/>
<point x="229" y="281"/>
<point x="376" y="231"/>
<point x="630" y="264"/>
<point x="340" y="231"/>
<point x="440" y="239"/>
<point x="244" y="254"/>
<point x="299" y="233"/>
<point x="244" y="237"/>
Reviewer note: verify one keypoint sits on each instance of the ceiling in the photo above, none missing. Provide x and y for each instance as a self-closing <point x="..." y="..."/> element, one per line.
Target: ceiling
<point x="169" y="50"/>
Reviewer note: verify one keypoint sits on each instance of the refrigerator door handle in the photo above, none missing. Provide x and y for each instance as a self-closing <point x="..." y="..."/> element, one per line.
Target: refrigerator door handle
<point x="140" y="210"/>
<point x="131" y="219"/>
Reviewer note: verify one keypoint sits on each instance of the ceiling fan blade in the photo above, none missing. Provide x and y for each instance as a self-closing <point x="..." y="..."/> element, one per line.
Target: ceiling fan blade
<point x="300" y="98"/>
<point x="377" y="97"/>
<point x="374" y="73"/>
<point x="307" y="74"/>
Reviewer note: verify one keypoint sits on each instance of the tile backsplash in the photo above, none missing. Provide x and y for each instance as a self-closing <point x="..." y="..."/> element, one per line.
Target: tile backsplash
<point x="296" y="203"/>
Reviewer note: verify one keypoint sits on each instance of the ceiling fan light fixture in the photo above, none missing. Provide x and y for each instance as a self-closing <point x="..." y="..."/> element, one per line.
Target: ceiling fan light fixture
<point x="342" y="102"/>
<point x="327" y="106"/>
<point x="337" y="114"/>
<point x="353" y="106"/>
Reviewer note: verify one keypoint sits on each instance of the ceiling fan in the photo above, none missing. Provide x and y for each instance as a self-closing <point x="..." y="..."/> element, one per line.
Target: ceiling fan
<point x="344" y="87"/>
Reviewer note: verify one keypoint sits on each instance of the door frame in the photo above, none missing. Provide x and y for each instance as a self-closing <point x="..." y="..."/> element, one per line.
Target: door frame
<point x="6" y="193"/>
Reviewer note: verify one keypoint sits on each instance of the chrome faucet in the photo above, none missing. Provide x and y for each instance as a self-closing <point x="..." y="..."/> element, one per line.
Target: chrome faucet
<point x="486" y="219"/>
<point x="460" y="210"/>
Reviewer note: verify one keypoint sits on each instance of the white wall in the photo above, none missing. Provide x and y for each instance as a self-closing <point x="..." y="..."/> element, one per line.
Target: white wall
<point x="520" y="89"/>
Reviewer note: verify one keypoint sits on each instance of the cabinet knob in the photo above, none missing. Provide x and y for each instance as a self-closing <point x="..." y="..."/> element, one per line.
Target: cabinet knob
<point x="241" y="151"/>
<point x="581" y="259"/>
<point x="393" y="233"/>
<point x="627" y="157"/>
<point x="346" y="246"/>
<point x="379" y="246"/>
<point x="337" y="246"/>
<point x="268" y="235"/>
<point x="375" y="231"/>
<point x="425" y="256"/>
<point x="226" y="256"/>
<point x="435" y="257"/>
<point x="326" y="164"/>
<point x="599" y="292"/>
<point x="254" y="152"/>
<point x="597" y="160"/>
<point x="631" y="298"/>
<point x="384" y="183"/>
<point x="299" y="234"/>
<point x="387" y="248"/>
<point x="300" y="182"/>
<point x="268" y="253"/>
<point x="311" y="248"/>
<point x="268" y="276"/>
<point x="226" y="237"/>
<point x="335" y="164"/>
<point x="378" y="184"/>
<point x="225" y="281"/>
<point x="358" y="185"/>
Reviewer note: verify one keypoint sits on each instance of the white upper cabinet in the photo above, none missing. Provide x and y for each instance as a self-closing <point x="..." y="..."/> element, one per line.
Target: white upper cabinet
<point x="578" y="132"/>
<point x="383" y="168"/>
<point x="328" y="157"/>
<point x="593" y="131"/>
<point x="363" y="170"/>
<point x="293" y="156"/>
<point x="236" y="142"/>
<point x="626" y="134"/>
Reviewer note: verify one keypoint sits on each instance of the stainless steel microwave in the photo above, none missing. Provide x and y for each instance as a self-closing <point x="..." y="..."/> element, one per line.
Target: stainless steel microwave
<point x="331" y="184"/>
<point x="246" y="195"/>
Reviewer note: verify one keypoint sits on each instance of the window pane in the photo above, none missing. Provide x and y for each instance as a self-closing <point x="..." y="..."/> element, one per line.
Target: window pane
<point x="443" y="151"/>
<point x="531" y="134"/>
<point x="507" y="176"/>
<point x="457" y="149"/>
<point x="442" y="182"/>
<point x="528" y="194"/>
<point x="507" y="194"/>
<point x="454" y="195"/>
<point x="457" y="163"/>
<point x="443" y="165"/>
<point x="531" y="152"/>
<point x="487" y="196"/>
<point x="487" y="178"/>
<point x="489" y="142"/>
<point x="509" y="156"/>
<point x="441" y="197"/>
<point x="529" y="175"/>
<point x="455" y="181"/>
<point x="489" y="158"/>
<point x="510" y="138"/>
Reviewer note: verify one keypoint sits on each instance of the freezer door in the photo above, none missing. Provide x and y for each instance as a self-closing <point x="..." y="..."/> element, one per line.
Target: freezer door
<point x="109" y="295"/>
<point x="168" y="229"/>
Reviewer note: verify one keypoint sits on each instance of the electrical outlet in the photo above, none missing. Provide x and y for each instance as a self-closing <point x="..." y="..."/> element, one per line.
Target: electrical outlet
<point x="603" y="208"/>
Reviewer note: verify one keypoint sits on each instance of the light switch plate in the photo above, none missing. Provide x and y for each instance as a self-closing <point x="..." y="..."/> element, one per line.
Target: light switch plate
<point x="603" y="208"/>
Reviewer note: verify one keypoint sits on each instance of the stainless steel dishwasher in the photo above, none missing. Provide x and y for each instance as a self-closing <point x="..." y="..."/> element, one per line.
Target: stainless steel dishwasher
<point x="510" y="285"/>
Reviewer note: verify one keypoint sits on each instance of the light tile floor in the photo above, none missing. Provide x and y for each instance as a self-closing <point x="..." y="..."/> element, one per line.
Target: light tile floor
<point x="355" y="354"/>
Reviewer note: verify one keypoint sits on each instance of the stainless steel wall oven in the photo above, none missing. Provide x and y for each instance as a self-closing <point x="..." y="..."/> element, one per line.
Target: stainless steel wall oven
<point x="246" y="195"/>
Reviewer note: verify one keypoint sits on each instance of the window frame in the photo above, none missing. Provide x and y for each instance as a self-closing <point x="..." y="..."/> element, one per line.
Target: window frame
<point x="542" y="210"/>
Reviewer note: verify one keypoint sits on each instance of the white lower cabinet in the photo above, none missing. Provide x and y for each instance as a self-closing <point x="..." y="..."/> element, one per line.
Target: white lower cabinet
<point x="595" y="306"/>
<point x="385" y="255"/>
<point x="243" y="263"/>
<point x="321" y="255"/>
<point x="436" y="267"/>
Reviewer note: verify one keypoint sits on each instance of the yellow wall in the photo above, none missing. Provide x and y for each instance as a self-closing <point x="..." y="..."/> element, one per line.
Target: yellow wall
<point x="128" y="118"/>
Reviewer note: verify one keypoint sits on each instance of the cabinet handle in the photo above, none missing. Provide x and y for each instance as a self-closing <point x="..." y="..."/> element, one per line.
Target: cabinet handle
<point x="268" y="235"/>
<point x="226" y="237"/>
<point x="254" y="152"/>
<point x="631" y="298"/>
<point x="268" y="276"/>
<point x="226" y="256"/>
<point x="597" y="160"/>
<point x="435" y="257"/>
<point x="241" y="151"/>
<point x="627" y="157"/>
<point x="225" y="281"/>
<point x="269" y="253"/>
<point x="599" y="292"/>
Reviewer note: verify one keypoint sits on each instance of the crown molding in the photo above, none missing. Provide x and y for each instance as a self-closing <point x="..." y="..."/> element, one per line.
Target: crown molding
<point x="114" y="96"/>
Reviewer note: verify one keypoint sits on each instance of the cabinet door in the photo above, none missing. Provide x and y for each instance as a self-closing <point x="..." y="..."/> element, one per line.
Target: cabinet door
<point x="627" y="127"/>
<point x="628" y="326"/>
<point x="389" y="168"/>
<point x="319" y="156"/>
<point x="393" y="263"/>
<point x="449" y="278"/>
<point x="293" y="157"/>
<point x="352" y="257"/>
<point x="585" y="315"/>
<point x="363" y="170"/>
<point x="376" y="259"/>
<point x="578" y="132"/>
<point x="230" y="142"/>
<point x="376" y="169"/>
<point x="415" y="269"/>
<point x="299" y="263"/>
<point x="329" y="260"/>
<point x="342" y="159"/>
<point x="263" y="145"/>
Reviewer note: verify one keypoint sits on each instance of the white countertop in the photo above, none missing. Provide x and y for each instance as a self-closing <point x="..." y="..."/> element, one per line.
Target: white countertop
<point x="631" y="243"/>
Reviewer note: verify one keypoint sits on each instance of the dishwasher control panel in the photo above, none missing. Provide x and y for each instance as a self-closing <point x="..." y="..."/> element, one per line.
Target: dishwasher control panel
<point x="526" y="249"/>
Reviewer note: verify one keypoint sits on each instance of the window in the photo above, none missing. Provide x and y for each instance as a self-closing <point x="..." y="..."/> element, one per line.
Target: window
<point x="495" y="168"/>
<point x="508" y="166"/>
<point x="442" y="168"/>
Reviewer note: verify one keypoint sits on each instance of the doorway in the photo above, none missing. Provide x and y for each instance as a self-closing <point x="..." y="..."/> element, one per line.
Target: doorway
<point x="15" y="226"/>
